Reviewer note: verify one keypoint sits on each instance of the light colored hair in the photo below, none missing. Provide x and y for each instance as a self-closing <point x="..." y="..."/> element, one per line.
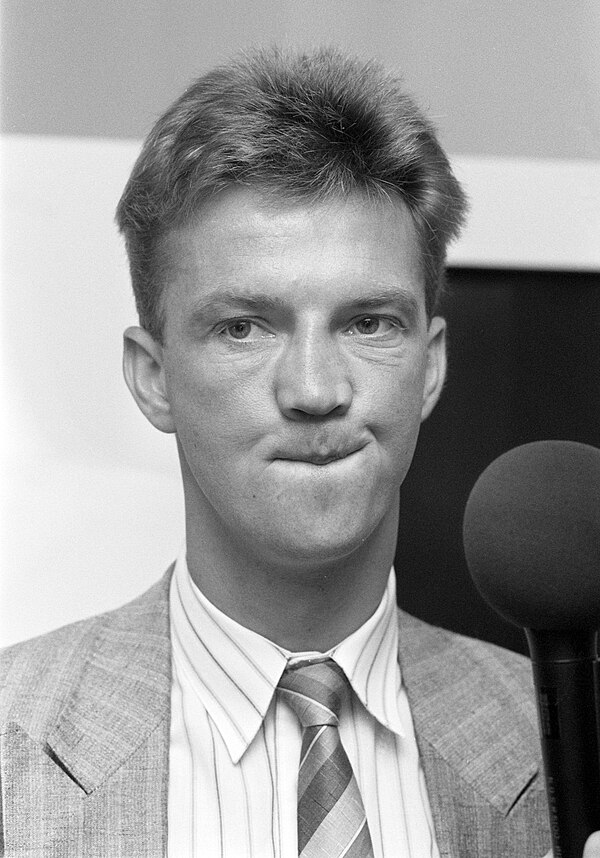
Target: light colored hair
<point x="296" y="126"/>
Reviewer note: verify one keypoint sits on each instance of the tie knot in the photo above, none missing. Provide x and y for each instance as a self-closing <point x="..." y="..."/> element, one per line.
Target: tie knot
<point x="315" y="691"/>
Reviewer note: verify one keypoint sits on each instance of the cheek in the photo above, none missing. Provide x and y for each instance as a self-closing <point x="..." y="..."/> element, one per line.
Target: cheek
<point x="395" y="420"/>
<point x="216" y="412"/>
<point x="396" y="398"/>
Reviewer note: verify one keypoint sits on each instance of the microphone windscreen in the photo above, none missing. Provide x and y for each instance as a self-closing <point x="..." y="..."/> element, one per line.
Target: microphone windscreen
<point x="532" y="535"/>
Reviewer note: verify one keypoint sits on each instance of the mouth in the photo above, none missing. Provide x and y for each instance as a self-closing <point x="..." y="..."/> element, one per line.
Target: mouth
<point x="319" y="461"/>
<point x="321" y="457"/>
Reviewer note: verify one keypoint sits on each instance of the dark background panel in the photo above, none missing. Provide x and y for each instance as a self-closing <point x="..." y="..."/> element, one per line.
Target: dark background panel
<point x="524" y="365"/>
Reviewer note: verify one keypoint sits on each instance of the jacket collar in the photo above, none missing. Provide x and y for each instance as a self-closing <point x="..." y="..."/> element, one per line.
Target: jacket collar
<point x="467" y="709"/>
<point x="123" y="693"/>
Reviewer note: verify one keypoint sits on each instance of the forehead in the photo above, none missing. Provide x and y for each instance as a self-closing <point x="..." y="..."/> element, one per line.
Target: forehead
<point x="243" y="241"/>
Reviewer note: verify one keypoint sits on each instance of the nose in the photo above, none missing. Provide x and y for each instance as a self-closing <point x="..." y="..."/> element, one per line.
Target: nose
<point x="312" y="378"/>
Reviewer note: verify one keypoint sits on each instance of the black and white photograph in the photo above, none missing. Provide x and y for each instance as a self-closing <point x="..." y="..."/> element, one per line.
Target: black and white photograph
<point x="300" y="551"/>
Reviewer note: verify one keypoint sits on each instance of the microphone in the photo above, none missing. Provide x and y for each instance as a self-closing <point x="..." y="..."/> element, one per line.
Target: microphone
<point x="532" y="542"/>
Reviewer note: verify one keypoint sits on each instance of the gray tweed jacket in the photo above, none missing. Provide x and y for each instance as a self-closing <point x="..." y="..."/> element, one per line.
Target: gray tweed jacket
<point x="84" y="721"/>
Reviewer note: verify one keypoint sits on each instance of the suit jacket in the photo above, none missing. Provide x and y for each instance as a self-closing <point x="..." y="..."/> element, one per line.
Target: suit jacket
<point x="84" y="717"/>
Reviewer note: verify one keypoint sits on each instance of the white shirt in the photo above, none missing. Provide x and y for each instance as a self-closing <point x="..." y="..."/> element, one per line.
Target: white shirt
<point x="235" y="745"/>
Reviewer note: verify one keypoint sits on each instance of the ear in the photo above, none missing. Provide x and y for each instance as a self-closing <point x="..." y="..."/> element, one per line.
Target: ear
<point x="144" y="373"/>
<point x="435" y="372"/>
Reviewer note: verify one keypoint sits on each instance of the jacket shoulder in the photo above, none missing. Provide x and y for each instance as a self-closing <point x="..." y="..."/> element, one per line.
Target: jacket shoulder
<point x="38" y="675"/>
<point x="491" y="663"/>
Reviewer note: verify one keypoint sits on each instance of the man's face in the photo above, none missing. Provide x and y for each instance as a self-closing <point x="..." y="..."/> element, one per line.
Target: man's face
<point x="298" y="364"/>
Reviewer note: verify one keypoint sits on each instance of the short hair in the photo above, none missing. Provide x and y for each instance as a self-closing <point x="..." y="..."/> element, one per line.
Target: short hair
<point x="295" y="125"/>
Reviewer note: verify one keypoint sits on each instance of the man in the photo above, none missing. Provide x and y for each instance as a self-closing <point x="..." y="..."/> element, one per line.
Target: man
<point x="286" y="225"/>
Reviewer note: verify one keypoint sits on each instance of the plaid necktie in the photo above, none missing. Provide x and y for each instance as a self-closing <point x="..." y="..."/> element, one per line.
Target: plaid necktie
<point x="331" y="816"/>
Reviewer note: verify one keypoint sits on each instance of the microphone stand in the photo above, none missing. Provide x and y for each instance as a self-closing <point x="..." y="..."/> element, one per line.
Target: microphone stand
<point x="596" y="669"/>
<point x="567" y="679"/>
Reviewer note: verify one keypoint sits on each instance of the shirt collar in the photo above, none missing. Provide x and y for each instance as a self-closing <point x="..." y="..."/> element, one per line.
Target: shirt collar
<point x="235" y="671"/>
<point x="369" y="658"/>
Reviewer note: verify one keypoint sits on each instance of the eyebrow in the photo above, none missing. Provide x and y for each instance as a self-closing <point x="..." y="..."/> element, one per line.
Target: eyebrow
<point x="395" y="295"/>
<point x="226" y="298"/>
<point x="223" y="300"/>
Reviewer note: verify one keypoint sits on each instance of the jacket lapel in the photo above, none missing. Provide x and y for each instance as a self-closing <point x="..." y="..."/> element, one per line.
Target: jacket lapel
<point x="42" y="805"/>
<point x="98" y="782"/>
<point x="123" y="694"/>
<point x="475" y="736"/>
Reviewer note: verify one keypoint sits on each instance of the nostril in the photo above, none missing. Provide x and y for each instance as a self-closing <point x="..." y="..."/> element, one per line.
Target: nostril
<point x="315" y="401"/>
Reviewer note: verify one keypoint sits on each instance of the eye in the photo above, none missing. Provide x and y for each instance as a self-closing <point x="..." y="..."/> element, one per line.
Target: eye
<point x="374" y="327"/>
<point x="240" y="330"/>
<point x="368" y="325"/>
<point x="244" y="330"/>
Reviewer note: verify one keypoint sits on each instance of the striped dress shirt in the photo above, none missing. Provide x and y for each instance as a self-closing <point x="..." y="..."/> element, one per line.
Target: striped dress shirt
<point x="235" y="744"/>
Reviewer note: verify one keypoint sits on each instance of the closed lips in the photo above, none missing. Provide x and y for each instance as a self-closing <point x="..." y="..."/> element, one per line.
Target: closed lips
<point x="322" y="457"/>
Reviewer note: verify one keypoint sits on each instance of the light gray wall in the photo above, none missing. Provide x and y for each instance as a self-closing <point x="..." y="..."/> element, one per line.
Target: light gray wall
<point x="500" y="77"/>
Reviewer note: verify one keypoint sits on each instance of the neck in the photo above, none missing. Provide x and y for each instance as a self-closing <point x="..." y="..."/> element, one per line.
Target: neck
<point x="300" y="605"/>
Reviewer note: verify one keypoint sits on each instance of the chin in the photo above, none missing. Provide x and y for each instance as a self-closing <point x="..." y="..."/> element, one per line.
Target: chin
<point x="319" y="546"/>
